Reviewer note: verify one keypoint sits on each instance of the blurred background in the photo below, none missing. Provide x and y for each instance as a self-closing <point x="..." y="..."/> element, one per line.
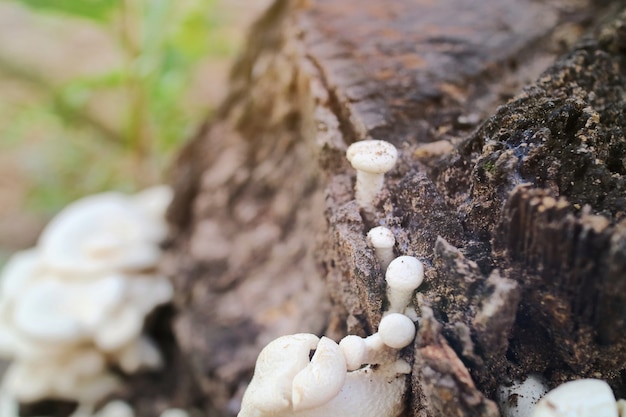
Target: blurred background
<point x="98" y="95"/>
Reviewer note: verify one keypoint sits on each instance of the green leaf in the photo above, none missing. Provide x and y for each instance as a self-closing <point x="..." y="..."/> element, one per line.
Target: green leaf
<point x="99" y="10"/>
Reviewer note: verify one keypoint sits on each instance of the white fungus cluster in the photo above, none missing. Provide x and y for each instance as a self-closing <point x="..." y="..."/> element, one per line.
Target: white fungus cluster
<point x="75" y="305"/>
<point x="362" y="377"/>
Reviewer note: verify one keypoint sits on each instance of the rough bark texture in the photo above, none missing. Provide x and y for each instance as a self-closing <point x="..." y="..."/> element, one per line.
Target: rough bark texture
<point x="517" y="211"/>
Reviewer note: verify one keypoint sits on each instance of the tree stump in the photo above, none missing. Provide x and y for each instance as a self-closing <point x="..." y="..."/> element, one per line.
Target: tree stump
<point x="510" y="187"/>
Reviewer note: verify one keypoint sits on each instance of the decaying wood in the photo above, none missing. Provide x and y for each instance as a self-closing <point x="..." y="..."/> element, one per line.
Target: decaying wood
<point x="517" y="211"/>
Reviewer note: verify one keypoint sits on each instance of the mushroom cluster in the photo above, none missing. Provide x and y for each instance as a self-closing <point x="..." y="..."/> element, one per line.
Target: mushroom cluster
<point x="363" y="377"/>
<point x="75" y="305"/>
<point x="357" y="377"/>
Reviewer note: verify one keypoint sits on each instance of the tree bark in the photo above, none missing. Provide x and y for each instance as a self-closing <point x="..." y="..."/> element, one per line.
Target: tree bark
<point x="517" y="211"/>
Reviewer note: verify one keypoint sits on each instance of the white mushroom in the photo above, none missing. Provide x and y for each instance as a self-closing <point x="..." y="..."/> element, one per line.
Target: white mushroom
<point x="581" y="398"/>
<point x="75" y="376"/>
<point x="382" y="240"/>
<point x="57" y="310"/>
<point x="396" y="330"/>
<point x="104" y="232"/>
<point x="322" y="379"/>
<point x="330" y="389"/>
<point x="269" y="392"/>
<point x="519" y="398"/>
<point x="371" y="159"/>
<point x="76" y="304"/>
<point x="354" y="351"/>
<point x="404" y="274"/>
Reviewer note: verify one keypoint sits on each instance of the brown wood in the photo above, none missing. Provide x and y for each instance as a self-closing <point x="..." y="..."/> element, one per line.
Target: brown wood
<point x="517" y="211"/>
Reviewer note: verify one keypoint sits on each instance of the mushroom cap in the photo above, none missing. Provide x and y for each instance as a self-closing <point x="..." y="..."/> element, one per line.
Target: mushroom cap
<point x="122" y="326"/>
<point x="322" y="379"/>
<point x="405" y="273"/>
<point x="381" y="237"/>
<point x="373" y="156"/>
<point x="103" y="232"/>
<point x="56" y="310"/>
<point x="21" y="269"/>
<point x="581" y="398"/>
<point x="354" y="351"/>
<point x="270" y="390"/>
<point x="396" y="330"/>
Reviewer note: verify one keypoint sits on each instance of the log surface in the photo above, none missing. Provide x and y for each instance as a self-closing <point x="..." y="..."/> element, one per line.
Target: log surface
<point x="509" y="119"/>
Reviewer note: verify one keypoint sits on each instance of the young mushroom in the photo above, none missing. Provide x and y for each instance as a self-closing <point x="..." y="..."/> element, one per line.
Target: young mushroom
<point x="371" y="159"/>
<point x="382" y="240"/>
<point x="396" y="330"/>
<point x="404" y="274"/>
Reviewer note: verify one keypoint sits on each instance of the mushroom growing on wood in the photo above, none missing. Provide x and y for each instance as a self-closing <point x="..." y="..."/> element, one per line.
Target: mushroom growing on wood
<point x="371" y="159"/>
<point x="382" y="240"/>
<point x="404" y="274"/>
<point x="76" y="304"/>
<point x="286" y="384"/>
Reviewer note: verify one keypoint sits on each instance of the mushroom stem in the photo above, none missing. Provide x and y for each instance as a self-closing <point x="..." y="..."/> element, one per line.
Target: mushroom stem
<point x="368" y="186"/>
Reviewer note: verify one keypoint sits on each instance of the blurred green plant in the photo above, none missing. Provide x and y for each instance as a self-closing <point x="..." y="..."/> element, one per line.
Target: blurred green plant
<point x="162" y="42"/>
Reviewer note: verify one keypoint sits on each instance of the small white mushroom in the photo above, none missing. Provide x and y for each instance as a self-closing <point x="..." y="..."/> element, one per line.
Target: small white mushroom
<point x="519" y="398"/>
<point x="404" y="275"/>
<point x="371" y="159"/>
<point x="396" y="330"/>
<point x="581" y="398"/>
<point x="353" y="349"/>
<point x="382" y="240"/>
